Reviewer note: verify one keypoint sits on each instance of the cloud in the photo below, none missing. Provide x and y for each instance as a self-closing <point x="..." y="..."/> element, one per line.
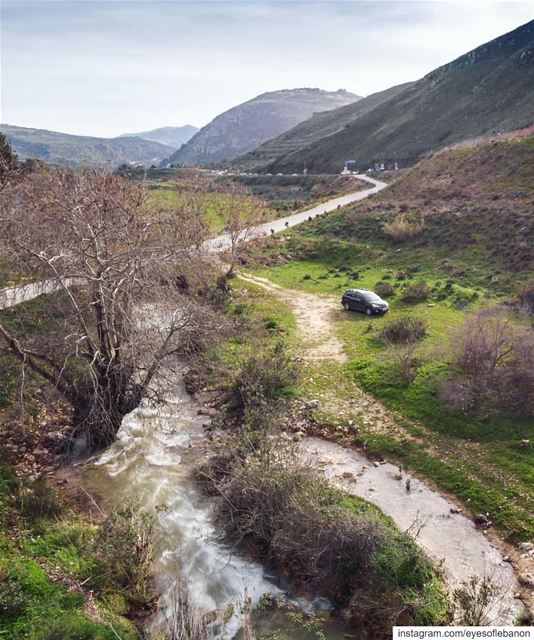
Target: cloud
<point x="100" y="68"/>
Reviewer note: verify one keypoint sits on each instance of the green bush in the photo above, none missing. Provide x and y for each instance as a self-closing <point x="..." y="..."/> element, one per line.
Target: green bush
<point x="270" y="324"/>
<point x="8" y="382"/>
<point x="13" y="598"/>
<point x="267" y="375"/>
<point x="74" y="626"/>
<point x="123" y="552"/>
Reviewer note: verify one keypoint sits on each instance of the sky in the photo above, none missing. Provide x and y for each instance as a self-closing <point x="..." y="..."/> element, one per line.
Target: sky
<point x="103" y="68"/>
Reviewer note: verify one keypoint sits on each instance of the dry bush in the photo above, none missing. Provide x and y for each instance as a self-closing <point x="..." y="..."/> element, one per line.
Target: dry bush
<point x="525" y="298"/>
<point x="402" y="228"/>
<point x="280" y="503"/>
<point x="415" y="292"/>
<point x="184" y="619"/>
<point x="473" y="601"/>
<point x="384" y="289"/>
<point x="492" y="367"/>
<point x="401" y="336"/>
<point x="403" y="330"/>
<point x="405" y="360"/>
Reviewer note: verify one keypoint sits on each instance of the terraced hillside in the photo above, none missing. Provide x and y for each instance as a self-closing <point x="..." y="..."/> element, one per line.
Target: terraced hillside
<point x="317" y="127"/>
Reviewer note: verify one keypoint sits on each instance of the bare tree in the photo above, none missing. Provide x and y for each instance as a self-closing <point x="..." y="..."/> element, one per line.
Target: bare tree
<point x="116" y="263"/>
<point x="240" y="212"/>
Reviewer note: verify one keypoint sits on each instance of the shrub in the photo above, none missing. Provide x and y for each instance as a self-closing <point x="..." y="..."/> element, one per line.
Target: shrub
<point x="239" y="309"/>
<point x="8" y="383"/>
<point x="339" y="544"/>
<point x="38" y="500"/>
<point x="402" y="228"/>
<point x="403" y="330"/>
<point x="492" y="367"/>
<point x="266" y="377"/>
<point x="270" y="324"/>
<point x="416" y="292"/>
<point x="474" y="600"/>
<point x="525" y="298"/>
<point x="384" y="289"/>
<point x="13" y="598"/>
<point x="75" y="626"/>
<point x="123" y="550"/>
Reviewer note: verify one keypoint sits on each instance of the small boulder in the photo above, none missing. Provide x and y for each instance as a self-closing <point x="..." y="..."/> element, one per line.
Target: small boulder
<point x="311" y="404"/>
<point x="526" y="579"/>
<point x="526" y="546"/>
<point x="482" y="520"/>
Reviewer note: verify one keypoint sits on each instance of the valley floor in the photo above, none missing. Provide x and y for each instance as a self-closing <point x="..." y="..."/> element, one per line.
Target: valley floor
<point x="351" y="417"/>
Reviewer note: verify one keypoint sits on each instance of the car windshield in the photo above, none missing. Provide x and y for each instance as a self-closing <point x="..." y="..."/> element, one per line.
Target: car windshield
<point x="371" y="297"/>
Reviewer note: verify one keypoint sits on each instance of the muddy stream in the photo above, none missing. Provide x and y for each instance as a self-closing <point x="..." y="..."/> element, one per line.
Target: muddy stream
<point x="152" y="461"/>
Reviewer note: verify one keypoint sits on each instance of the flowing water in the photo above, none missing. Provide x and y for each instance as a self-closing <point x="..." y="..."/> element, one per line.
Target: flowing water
<point x="152" y="461"/>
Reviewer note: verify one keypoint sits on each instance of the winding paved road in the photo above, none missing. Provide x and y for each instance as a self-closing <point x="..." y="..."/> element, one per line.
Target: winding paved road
<point x="220" y="243"/>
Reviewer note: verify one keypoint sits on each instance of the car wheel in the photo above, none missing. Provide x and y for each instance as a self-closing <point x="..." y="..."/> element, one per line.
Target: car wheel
<point x="346" y="306"/>
<point x="368" y="312"/>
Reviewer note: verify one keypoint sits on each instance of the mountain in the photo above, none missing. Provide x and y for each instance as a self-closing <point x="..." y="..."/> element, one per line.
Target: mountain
<point x="171" y="136"/>
<point x="488" y="90"/>
<point x="76" y="151"/>
<point x="318" y="126"/>
<point x="247" y="125"/>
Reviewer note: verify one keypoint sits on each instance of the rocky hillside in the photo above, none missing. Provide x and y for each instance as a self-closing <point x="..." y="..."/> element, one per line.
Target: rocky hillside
<point x="488" y="90"/>
<point x="76" y="151"/>
<point x="317" y="127"/>
<point x="171" y="136"/>
<point x="248" y="125"/>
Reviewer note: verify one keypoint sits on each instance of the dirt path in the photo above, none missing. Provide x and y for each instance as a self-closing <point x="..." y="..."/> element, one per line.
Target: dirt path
<point x="314" y="316"/>
<point x="449" y="537"/>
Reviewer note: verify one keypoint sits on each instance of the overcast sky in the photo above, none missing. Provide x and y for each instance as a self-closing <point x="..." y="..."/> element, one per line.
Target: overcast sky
<point x="104" y="68"/>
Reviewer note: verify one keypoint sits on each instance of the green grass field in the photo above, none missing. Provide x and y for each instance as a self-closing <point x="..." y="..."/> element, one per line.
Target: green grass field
<point x="478" y="459"/>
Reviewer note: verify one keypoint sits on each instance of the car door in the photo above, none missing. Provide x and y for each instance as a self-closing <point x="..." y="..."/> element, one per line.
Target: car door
<point x="350" y="300"/>
<point x="358" y="302"/>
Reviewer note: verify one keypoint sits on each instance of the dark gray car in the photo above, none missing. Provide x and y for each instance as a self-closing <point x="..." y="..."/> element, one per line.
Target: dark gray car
<point x="364" y="301"/>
